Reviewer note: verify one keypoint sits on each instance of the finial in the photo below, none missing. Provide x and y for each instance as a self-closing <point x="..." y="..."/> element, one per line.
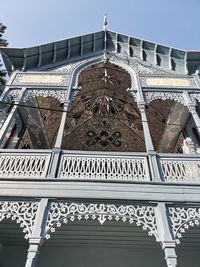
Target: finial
<point x="105" y="23"/>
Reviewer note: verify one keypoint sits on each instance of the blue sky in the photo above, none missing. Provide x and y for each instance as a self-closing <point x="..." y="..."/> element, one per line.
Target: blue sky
<point x="170" y="22"/>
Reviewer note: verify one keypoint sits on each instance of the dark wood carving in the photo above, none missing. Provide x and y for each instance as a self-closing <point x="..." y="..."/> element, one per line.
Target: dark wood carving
<point x="104" y="116"/>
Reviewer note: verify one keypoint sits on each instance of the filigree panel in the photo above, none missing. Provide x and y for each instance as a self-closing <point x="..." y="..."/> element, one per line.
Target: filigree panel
<point x="182" y="219"/>
<point x="62" y="212"/>
<point x="150" y="96"/>
<point x="23" y="213"/>
<point x="56" y="93"/>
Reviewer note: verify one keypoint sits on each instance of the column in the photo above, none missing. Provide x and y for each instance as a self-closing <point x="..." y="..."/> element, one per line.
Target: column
<point x="192" y="109"/>
<point x="155" y="173"/>
<point x="10" y="118"/>
<point x="59" y="137"/>
<point x="38" y="229"/>
<point x="56" y="151"/>
<point x="165" y="235"/>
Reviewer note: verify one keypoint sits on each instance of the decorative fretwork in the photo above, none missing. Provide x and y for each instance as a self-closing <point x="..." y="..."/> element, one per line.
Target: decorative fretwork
<point x="184" y="171"/>
<point x="63" y="212"/>
<point x="14" y="94"/>
<point x="23" y="166"/>
<point x="104" y="168"/>
<point x="56" y="93"/>
<point x="182" y="219"/>
<point x="137" y="64"/>
<point x="23" y="213"/>
<point x="150" y="96"/>
<point x="195" y="97"/>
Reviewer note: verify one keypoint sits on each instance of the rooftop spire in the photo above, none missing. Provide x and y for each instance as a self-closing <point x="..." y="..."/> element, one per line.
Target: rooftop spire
<point x="105" y="23"/>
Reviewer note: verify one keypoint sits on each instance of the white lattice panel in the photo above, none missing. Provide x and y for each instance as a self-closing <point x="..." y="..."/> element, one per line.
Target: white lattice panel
<point x="181" y="170"/>
<point x="75" y="167"/>
<point x="19" y="166"/>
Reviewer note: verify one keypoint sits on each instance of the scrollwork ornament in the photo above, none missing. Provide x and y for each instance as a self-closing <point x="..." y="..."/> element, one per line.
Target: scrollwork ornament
<point x="23" y="213"/>
<point x="58" y="94"/>
<point x="178" y="97"/>
<point x="195" y="97"/>
<point x="62" y="212"/>
<point x="182" y="219"/>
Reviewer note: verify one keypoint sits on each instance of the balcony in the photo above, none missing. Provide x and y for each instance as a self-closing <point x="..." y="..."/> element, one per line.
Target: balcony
<point x="98" y="166"/>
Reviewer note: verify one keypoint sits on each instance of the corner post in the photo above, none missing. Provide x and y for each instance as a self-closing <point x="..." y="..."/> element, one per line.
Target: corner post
<point x="192" y="109"/>
<point x="38" y="229"/>
<point x="165" y="235"/>
<point x="153" y="163"/>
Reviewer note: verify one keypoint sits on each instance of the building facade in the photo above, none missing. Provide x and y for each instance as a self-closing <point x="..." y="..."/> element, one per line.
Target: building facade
<point x="99" y="160"/>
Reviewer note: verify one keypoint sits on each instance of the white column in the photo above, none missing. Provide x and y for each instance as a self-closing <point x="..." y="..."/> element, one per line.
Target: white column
<point x="7" y="125"/>
<point x="165" y="235"/>
<point x="155" y="173"/>
<point x="59" y="137"/>
<point x="192" y="108"/>
<point x="38" y="229"/>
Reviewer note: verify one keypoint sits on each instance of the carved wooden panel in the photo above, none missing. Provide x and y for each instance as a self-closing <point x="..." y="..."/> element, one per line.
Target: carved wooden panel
<point x="104" y="115"/>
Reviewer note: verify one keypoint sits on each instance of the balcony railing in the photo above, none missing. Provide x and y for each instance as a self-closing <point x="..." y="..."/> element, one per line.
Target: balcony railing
<point x="99" y="166"/>
<point x="104" y="167"/>
<point x="180" y="169"/>
<point x="24" y="164"/>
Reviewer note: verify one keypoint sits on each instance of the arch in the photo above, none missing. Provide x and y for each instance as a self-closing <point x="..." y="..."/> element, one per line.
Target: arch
<point x="37" y="131"/>
<point x="167" y="118"/>
<point x="178" y="97"/>
<point x="22" y="212"/>
<point x="104" y="115"/>
<point x="86" y="63"/>
<point x="61" y="212"/>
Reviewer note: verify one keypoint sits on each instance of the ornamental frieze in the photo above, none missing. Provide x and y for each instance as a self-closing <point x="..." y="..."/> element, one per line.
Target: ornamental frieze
<point x="37" y="79"/>
<point x="168" y="82"/>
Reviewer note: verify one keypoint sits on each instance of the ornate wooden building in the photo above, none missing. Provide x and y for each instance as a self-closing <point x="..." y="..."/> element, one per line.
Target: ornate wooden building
<point x="99" y="159"/>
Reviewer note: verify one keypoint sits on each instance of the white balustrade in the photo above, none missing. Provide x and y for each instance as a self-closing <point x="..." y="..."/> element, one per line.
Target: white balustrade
<point x="24" y="164"/>
<point x="181" y="170"/>
<point x="104" y="167"/>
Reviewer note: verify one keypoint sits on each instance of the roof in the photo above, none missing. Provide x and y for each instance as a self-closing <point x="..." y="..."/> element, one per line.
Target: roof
<point x="43" y="56"/>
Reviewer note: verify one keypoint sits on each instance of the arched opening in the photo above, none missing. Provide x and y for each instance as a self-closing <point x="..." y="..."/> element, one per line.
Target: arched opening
<point x="104" y="115"/>
<point x="168" y="121"/>
<point x="38" y="123"/>
<point x="113" y="244"/>
<point x="13" y="245"/>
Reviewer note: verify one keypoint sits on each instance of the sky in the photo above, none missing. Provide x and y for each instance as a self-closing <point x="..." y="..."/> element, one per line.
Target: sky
<point x="173" y="23"/>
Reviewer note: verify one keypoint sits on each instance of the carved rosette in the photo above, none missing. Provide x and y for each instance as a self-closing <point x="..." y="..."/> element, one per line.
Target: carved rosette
<point x="23" y="213"/>
<point x="62" y="212"/>
<point x="178" y="97"/>
<point x="182" y="219"/>
<point x="14" y="94"/>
